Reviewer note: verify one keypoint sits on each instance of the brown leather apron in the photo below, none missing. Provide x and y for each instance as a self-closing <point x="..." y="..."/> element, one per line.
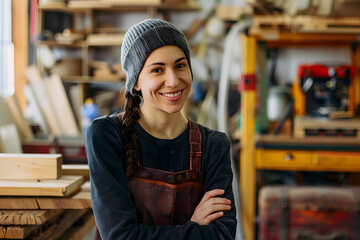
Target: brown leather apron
<point x="168" y="198"/>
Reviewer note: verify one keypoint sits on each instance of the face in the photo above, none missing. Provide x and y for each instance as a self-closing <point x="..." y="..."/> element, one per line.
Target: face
<point x="165" y="80"/>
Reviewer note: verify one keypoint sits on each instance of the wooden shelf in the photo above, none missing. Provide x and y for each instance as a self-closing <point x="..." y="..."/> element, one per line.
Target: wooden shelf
<point x="89" y="79"/>
<point x="56" y="44"/>
<point x="305" y="30"/>
<point x="130" y="5"/>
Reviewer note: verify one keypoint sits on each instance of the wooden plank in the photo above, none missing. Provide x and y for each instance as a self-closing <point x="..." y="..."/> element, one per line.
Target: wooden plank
<point x="18" y="203"/>
<point x="62" y="106"/>
<point x="54" y="231"/>
<point x="85" y="187"/>
<point x="81" y="228"/>
<point x="105" y="39"/>
<point x="19" y="232"/>
<point x="2" y="232"/>
<point x="30" y="166"/>
<point x="27" y="217"/>
<point x="63" y="186"/>
<point x="18" y="117"/>
<point x="10" y="140"/>
<point x="44" y="100"/>
<point x="76" y="169"/>
<point x="301" y="124"/>
<point x="81" y="200"/>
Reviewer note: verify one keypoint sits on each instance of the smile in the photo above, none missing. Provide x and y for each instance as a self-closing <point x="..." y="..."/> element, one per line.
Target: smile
<point x="175" y="94"/>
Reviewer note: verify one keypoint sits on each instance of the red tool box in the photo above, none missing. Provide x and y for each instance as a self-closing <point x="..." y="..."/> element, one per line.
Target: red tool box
<point x="309" y="212"/>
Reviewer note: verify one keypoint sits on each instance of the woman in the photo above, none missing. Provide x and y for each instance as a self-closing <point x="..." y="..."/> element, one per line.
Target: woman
<point x="155" y="174"/>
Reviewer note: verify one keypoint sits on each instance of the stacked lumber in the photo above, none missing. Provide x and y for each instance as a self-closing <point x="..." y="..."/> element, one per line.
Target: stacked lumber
<point x="38" y="200"/>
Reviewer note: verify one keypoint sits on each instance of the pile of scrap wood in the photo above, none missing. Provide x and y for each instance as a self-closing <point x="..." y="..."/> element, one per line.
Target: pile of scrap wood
<point x="38" y="200"/>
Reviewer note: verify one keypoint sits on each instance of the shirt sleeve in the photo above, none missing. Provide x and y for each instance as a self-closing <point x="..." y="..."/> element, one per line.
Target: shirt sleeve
<point x="218" y="174"/>
<point x="113" y="208"/>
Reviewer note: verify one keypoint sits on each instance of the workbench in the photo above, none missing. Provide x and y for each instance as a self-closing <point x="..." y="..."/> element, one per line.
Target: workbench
<point x="274" y="153"/>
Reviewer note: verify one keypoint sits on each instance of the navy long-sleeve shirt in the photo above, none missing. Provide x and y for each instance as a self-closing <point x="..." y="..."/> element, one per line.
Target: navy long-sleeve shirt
<point x="113" y="208"/>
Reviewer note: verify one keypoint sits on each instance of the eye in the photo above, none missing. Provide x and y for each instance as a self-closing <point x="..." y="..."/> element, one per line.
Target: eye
<point x="156" y="70"/>
<point x="180" y="65"/>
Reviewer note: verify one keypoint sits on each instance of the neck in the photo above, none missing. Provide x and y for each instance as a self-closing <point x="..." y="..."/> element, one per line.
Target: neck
<point x="164" y="126"/>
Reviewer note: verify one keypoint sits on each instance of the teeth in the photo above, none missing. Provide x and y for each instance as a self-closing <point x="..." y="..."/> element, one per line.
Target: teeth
<point x="172" y="94"/>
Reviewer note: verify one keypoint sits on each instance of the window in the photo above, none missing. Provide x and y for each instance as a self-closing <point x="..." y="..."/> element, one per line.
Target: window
<point x="6" y="50"/>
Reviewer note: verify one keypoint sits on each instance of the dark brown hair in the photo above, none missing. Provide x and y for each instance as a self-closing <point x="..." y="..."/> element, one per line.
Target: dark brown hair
<point x="129" y="136"/>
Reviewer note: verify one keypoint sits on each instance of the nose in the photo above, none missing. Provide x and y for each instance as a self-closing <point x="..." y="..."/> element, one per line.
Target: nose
<point x="172" y="80"/>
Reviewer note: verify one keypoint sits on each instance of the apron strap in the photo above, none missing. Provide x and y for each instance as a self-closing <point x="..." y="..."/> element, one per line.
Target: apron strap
<point x="195" y="146"/>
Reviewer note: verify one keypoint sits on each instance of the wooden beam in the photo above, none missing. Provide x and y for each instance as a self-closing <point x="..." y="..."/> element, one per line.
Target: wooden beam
<point x="76" y="169"/>
<point x="27" y="217"/>
<point x="20" y="38"/>
<point x="30" y="166"/>
<point x="19" y="232"/>
<point x="81" y="228"/>
<point x="247" y="155"/>
<point x="62" y="224"/>
<point x="79" y="200"/>
<point x="62" y="187"/>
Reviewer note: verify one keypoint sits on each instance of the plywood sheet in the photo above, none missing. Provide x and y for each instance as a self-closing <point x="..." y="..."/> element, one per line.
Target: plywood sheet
<point x="63" y="186"/>
<point x="30" y="166"/>
<point x="27" y="217"/>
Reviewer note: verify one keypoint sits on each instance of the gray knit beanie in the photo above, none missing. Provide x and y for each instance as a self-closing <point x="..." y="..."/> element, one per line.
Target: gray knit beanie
<point x="143" y="38"/>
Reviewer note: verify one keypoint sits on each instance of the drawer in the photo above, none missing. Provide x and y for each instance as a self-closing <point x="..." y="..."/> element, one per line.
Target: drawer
<point x="283" y="159"/>
<point x="297" y="160"/>
<point x="340" y="161"/>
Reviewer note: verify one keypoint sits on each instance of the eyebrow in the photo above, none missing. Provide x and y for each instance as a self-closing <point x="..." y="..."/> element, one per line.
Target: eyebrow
<point x="163" y="64"/>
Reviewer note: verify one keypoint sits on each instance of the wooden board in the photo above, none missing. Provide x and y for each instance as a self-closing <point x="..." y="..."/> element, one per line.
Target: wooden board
<point x="105" y="39"/>
<point x="76" y="169"/>
<point x="62" y="106"/>
<point x="85" y="187"/>
<point x="2" y="232"/>
<point x="34" y="108"/>
<point x="19" y="119"/>
<point x="305" y="24"/>
<point x="63" y="186"/>
<point x="302" y="124"/>
<point x="30" y="166"/>
<point x="44" y="100"/>
<point x="27" y="217"/>
<point x="58" y="228"/>
<point x="81" y="228"/>
<point x="10" y="139"/>
<point x="79" y="200"/>
<point x="19" y="232"/>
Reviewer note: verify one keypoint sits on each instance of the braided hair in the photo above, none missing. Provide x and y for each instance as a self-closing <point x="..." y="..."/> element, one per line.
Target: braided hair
<point x="129" y="119"/>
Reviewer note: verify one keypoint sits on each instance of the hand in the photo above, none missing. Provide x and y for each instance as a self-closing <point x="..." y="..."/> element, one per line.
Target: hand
<point x="210" y="207"/>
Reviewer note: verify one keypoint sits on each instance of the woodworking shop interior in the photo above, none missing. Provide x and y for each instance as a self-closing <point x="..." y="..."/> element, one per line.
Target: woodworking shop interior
<point x="280" y="77"/>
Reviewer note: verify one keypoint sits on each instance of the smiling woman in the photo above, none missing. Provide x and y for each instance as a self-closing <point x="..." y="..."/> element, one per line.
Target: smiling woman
<point x="154" y="173"/>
